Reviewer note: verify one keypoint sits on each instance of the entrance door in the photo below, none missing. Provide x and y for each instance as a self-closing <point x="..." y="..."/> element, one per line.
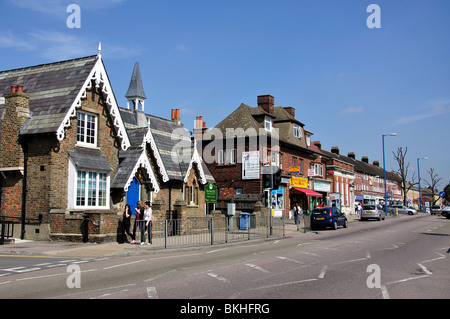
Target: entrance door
<point x="133" y="194"/>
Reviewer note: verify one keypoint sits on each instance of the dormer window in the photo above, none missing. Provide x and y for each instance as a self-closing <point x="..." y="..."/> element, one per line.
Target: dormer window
<point x="87" y="129"/>
<point x="297" y="131"/>
<point x="268" y="123"/>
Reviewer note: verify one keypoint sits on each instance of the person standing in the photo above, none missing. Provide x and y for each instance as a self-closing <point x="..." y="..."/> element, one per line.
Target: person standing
<point x="296" y="213"/>
<point x="139" y="213"/>
<point x="146" y="223"/>
<point x="126" y="224"/>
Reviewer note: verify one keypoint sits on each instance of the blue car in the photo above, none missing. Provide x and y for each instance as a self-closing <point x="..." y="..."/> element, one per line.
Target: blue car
<point x="328" y="217"/>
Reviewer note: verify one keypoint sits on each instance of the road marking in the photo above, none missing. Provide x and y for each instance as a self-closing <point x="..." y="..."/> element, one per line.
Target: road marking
<point x="125" y="264"/>
<point x="312" y="254"/>
<point x="217" y="277"/>
<point x="407" y="279"/>
<point x="385" y="293"/>
<point x="293" y="260"/>
<point x="425" y="269"/>
<point x="284" y="284"/>
<point x="151" y="293"/>
<point x="322" y="272"/>
<point x="258" y="268"/>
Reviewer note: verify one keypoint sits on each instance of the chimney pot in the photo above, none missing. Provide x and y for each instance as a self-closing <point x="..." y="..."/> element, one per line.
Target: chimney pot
<point x="13" y="88"/>
<point x="173" y="114"/>
<point x="20" y="88"/>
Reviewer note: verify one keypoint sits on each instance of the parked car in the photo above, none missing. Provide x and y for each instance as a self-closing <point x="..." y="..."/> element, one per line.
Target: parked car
<point x="404" y="210"/>
<point x="436" y="209"/>
<point x="446" y="212"/>
<point x="373" y="211"/>
<point x="328" y="217"/>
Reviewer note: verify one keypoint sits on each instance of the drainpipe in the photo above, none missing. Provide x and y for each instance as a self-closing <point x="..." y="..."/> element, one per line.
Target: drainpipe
<point x="24" y="184"/>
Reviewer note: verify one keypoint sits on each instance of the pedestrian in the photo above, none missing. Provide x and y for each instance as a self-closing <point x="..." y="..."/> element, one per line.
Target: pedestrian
<point x="139" y="213"/>
<point x="126" y="224"/>
<point x="296" y="213"/>
<point x="146" y="223"/>
<point x="359" y="209"/>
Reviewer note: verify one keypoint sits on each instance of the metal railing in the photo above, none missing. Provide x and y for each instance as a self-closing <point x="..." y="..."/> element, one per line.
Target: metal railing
<point x="193" y="231"/>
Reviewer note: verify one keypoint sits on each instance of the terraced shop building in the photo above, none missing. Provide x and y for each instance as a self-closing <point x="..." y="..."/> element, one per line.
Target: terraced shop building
<point x="68" y="161"/>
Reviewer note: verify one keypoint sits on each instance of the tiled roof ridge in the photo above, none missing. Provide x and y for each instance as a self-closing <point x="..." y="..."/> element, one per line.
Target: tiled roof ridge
<point x="49" y="64"/>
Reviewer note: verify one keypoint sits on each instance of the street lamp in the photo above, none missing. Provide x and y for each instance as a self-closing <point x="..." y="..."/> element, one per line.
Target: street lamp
<point x="418" y="173"/>
<point x="384" y="169"/>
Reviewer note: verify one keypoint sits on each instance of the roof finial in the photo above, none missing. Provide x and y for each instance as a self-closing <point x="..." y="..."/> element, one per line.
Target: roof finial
<point x="99" y="49"/>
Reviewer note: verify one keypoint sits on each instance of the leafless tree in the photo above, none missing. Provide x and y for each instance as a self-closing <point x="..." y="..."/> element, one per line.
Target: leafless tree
<point x="432" y="184"/>
<point x="402" y="171"/>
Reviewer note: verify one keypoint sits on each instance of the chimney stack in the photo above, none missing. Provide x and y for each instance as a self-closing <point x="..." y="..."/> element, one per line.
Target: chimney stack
<point x="376" y="163"/>
<point x="318" y="144"/>
<point x="365" y="159"/>
<point x="352" y="155"/>
<point x="266" y="102"/>
<point x="16" y="112"/>
<point x="290" y="110"/>
<point x="335" y="150"/>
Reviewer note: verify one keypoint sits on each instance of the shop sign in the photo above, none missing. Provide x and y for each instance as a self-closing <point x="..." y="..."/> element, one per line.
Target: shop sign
<point x="322" y="186"/>
<point x="299" y="182"/>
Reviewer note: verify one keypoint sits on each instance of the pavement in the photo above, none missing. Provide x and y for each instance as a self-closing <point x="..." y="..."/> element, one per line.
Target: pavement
<point x="114" y="249"/>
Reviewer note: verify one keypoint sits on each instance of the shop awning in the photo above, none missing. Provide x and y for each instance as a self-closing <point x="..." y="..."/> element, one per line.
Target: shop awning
<point x="307" y="191"/>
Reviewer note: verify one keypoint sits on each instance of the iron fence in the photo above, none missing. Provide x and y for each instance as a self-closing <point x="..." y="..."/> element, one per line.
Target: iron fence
<point x="193" y="231"/>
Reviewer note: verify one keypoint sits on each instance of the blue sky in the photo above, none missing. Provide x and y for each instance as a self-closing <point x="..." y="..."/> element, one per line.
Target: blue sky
<point x="349" y="84"/>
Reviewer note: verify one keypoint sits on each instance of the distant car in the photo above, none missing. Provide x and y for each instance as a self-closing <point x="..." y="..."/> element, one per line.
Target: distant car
<point x="328" y="217"/>
<point x="446" y="212"/>
<point x="372" y="211"/>
<point x="404" y="210"/>
<point x="436" y="209"/>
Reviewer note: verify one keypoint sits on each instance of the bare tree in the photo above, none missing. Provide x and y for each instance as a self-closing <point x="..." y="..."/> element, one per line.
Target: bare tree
<point x="402" y="171"/>
<point x="432" y="184"/>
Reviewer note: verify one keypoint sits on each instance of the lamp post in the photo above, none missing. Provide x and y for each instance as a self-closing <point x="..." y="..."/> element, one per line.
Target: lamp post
<point x="418" y="173"/>
<point x="384" y="169"/>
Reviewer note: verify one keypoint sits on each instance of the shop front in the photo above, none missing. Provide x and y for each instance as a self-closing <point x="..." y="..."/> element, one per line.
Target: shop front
<point x="301" y="194"/>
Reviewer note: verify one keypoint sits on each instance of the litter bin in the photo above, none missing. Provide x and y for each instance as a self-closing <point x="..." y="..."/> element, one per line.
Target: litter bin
<point x="244" y="221"/>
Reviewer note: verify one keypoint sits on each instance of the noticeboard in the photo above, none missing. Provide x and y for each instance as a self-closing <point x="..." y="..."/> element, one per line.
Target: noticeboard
<point x="210" y="193"/>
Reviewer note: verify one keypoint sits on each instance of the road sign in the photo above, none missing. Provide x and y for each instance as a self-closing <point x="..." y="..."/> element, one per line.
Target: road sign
<point x="442" y="194"/>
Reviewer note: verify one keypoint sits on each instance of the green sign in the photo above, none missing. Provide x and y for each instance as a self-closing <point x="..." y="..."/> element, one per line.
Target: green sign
<point x="210" y="193"/>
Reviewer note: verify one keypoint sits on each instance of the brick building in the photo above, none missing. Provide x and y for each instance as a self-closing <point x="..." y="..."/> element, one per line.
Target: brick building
<point x="68" y="160"/>
<point x="242" y="145"/>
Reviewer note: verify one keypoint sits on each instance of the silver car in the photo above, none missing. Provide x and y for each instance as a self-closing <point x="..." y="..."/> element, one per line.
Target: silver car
<point x="372" y="211"/>
<point x="404" y="210"/>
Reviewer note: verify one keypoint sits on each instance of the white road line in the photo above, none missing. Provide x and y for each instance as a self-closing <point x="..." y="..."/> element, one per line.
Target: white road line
<point x="151" y="293"/>
<point x="292" y="260"/>
<point x="322" y="272"/>
<point x="407" y="279"/>
<point x="218" y="277"/>
<point x="425" y="269"/>
<point x="161" y="275"/>
<point x="258" y="268"/>
<point x="385" y="293"/>
<point x="284" y="284"/>
<point x="125" y="264"/>
<point x="312" y="254"/>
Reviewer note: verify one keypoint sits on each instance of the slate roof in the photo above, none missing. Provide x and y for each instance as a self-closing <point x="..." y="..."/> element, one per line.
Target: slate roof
<point x="86" y="158"/>
<point x="52" y="88"/>
<point x="128" y="160"/>
<point x="173" y="145"/>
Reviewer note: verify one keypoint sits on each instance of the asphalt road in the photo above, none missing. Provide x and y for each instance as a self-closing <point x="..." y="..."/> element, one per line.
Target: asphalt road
<point x="399" y="258"/>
